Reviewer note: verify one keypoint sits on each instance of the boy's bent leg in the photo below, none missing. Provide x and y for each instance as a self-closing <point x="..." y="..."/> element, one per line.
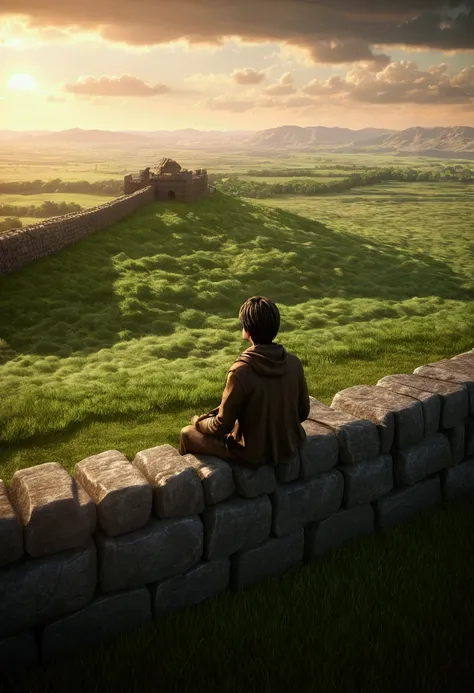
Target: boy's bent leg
<point x="196" y="443"/>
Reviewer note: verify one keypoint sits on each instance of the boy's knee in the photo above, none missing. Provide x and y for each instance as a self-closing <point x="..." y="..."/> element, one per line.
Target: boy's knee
<point x="186" y="430"/>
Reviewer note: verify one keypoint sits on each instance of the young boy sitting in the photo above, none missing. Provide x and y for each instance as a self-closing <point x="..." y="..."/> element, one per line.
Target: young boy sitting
<point x="265" y="399"/>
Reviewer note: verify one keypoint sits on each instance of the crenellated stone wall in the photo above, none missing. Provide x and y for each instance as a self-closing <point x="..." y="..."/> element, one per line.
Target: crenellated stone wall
<point x="20" y="247"/>
<point x="87" y="557"/>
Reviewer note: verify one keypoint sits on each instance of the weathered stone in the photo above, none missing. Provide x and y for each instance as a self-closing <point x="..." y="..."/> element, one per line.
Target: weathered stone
<point x="289" y="470"/>
<point x="235" y="524"/>
<point x="457" y="442"/>
<point x="470" y="438"/>
<point x="296" y="504"/>
<point x="418" y="461"/>
<point x="454" y="398"/>
<point x="207" y="579"/>
<point x="159" y="550"/>
<point x="106" y="617"/>
<point x="251" y="483"/>
<point x="178" y="490"/>
<point x="37" y="590"/>
<point x="320" y="451"/>
<point x="366" y="481"/>
<point x="460" y="372"/>
<point x="403" y="504"/>
<point x="361" y="402"/>
<point x="409" y="425"/>
<point x="338" y="529"/>
<point x="18" y="652"/>
<point x="122" y="495"/>
<point x="55" y="511"/>
<point x="458" y="480"/>
<point x="430" y="402"/>
<point x="11" y="533"/>
<point x="216" y="477"/>
<point x="274" y="556"/>
<point x="357" y="438"/>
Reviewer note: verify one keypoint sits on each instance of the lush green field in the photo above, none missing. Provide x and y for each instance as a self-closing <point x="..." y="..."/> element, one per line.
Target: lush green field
<point x="36" y="200"/>
<point x="392" y="613"/>
<point x="116" y="341"/>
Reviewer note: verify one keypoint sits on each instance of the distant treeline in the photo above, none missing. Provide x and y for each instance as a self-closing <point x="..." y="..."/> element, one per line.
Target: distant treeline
<point x="10" y="223"/>
<point x="34" y="187"/>
<point x="42" y="211"/>
<point x="255" y="189"/>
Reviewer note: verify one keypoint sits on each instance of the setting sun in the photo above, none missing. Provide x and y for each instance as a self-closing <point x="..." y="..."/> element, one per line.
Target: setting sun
<point x="22" y="82"/>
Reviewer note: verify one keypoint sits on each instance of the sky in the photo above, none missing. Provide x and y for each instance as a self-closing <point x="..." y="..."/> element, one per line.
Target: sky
<point x="235" y="64"/>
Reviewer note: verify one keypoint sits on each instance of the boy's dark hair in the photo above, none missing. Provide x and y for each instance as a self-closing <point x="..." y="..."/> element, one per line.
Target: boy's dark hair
<point x="260" y="317"/>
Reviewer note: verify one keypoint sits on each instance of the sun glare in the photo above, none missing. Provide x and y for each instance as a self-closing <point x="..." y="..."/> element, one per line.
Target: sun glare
<point x="22" y="82"/>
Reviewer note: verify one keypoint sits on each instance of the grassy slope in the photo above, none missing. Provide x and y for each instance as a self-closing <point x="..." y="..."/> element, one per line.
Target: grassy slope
<point x="392" y="613"/>
<point x="116" y="341"/>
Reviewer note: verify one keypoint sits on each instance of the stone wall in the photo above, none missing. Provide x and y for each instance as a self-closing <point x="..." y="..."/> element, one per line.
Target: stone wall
<point x="20" y="247"/>
<point x="87" y="557"/>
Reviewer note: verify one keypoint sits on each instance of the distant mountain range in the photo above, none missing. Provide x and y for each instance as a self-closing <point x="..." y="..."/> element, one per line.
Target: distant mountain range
<point x="456" y="141"/>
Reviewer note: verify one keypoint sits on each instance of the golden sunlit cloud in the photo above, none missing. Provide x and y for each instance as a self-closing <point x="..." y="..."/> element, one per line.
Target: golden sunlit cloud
<point x="22" y="82"/>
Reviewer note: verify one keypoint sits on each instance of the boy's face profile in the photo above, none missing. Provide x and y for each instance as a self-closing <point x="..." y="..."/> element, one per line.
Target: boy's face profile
<point x="245" y="335"/>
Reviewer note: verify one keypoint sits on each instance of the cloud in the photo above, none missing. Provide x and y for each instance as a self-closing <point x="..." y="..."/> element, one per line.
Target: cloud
<point x="55" y="99"/>
<point x="398" y="83"/>
<point x="331" y="31"/>
<point x="283" y="86"/>
<point x="226" y="102"/>
<point x="125" y="85"/>
<point x="248" y="76"/>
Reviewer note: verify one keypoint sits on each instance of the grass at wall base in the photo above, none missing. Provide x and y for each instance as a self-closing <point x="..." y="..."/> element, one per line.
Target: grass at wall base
<point x="116" y="341"/>
<point x="393" y="612"/>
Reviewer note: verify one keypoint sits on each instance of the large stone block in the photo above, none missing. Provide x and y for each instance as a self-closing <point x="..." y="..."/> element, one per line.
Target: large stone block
<point x="338" y="529"/>
<point x="458" y="480"/>
<point x="274" y="556"/>
<point x="206" y="579"/>
<point x="296" y="504"/>
<point x="288" y="470"/>
<point x="416" y="462"/>
<point x="454" y="398"/>
<point x="37" y="590"/>
<point x="366" y="481"/>
<point x="403" y="504"/>
<point x="379" y="404"/>
<point x="453" y="371"/>
<point x="358" y="439"/>
<point x="178" y="490"/>
<point x="320" y="452"/>
<point x="11" y="532"/>
<point x="55" y="511"/>
<point x="360" y="402"/>
<point x="470" y="438"/>
<point x="216" y="477"/>
<point x="235" y="524"/>
<point x="159" y="550"/>
<point x="251" y="483"/>
<point x="122" y="495"/>
<point x="430" y="402"/>
<point x="457" y="442"/>
<point x="106" y="617"/>
<point x="17" y="652"/>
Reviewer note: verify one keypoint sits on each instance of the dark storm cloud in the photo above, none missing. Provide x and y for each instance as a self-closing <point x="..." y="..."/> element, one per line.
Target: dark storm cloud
<point x="333" y="31"/>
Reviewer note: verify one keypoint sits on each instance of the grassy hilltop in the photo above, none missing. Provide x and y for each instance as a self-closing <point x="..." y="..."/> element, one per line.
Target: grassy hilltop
<point x="116" y="341"/>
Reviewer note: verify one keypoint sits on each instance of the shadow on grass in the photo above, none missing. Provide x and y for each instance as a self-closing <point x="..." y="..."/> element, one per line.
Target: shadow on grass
<point x="171" y="265"/>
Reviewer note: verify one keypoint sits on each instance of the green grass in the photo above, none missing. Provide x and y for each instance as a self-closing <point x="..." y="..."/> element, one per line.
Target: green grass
<point x="392" y="613"/>
<point x="81" y="199"/>
<point x="116" y="341"/>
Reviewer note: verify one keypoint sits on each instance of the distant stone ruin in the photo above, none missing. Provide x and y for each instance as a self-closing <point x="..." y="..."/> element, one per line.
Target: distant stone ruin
<point x="170" y="182"/>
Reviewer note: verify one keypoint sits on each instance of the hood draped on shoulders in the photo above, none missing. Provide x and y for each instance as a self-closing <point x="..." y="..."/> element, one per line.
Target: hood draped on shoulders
<point x="268" y="360"/>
